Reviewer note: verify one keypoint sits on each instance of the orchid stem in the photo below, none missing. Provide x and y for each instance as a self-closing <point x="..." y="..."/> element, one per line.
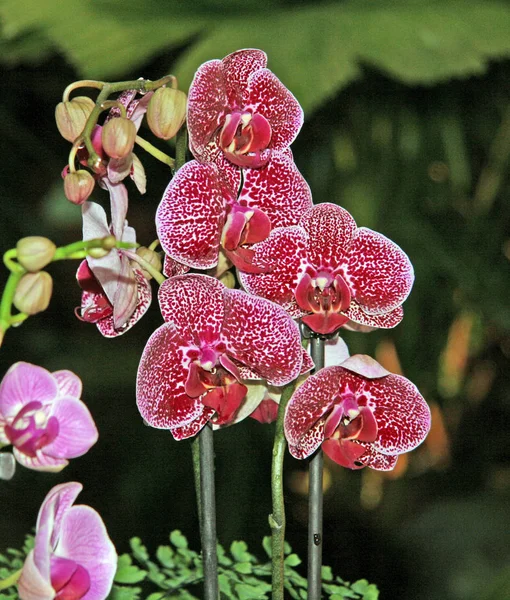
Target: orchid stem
<point x="181" y="146"/>
<point x="277" y="517"/>
<point x="161" y="156"/>
<point x="315" y="501"/>
<point x="208" y="504"/>
<point x="195" y="454"/>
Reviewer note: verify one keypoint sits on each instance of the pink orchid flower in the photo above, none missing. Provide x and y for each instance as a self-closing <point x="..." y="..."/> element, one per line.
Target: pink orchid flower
<point x="202" y="211"/>
<point x="332" y="273"/>
<point x="238" y="107"/>
<point x="362" y="415"/>
<point x="115" y="293"/>
<point x="194" y="366"/>
<point x="73" y="557"/>
<point x="42" y="416"/>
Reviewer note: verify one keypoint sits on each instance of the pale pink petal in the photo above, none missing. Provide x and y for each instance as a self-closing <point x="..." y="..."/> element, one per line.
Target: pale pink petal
<point x="95" y="222"/>
<point x="402" y="415"/>
<point x="330" y="229"/>
<point x="119" y="168"/>
<point x="137" y="110"/>
<point x="335" y="352"/>
<point x="278" y="189"/>
<point x="193" y="304"/>
<point x="41" y="462"/>
<point x="359" y="320"/>
<point x="32" y="585"/>
<point x="269" y="97"/>
<point x="138" y="174"/>
<point x="24" y="383"/>
<point x="69" y="384"/>
<point x="365" y="366"/>
<point x="77" y="430"/>
<point x="160" y="386"/>
<point x="379" y="273"/>
<point x="271" y="345"/>
<point x="84" y="539"/>
<point x="191" y="215"/>
<point x="284" y="252"/>
<point x="119" y="206"/>
<point x="125" y="299"/>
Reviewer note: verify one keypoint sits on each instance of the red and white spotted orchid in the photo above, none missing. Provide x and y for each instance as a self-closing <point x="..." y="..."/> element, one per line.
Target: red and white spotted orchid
<point x="202" y="210"/>
<point x="193" y="367"/>
<point x="115" y="293"/>
<point x="362" y="415"/>
<point x="332" y="273"/>
<point x="238" y="107"/>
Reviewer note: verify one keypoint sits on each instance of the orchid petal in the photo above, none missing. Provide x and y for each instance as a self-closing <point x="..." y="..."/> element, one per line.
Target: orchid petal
<point x="238" y="69"/>
<point x="278" y="189"/>
<point x="271" y="345"/>
<point x="24" y="383"/>
<point x="160" y="387"/>
<point x="376" y="460"/>
<point x="308" y="442"/>
<point x="191" y="429"/>
<point x="268" y="96"/>
<point x="32" y="585"/>
<point x="344" y="452"/>
<point x="139" y="109"/>
<point x="69" y="384"/>
<point x="119" y="168"/>
<point x="335" y="352"/>
<point x="359" y="320"/>
<point x="365" y="366"/>
<point x="42" y="462"/>
<point x="191" y="215"/>
<point x="119" y="206"/>
<point x="379" y="272"/>
<point x="125" y="299"/>
<point x="77" y="430"/>
<point x="137" y="174"/>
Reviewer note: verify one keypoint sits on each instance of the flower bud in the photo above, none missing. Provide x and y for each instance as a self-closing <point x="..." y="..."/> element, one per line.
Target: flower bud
<point x="166" y="112"/>
<point x="72" y="115"/>
<point x="153" y="258"/>
<point x="33" y="292"/>
<point x="78" y="186"/>
<point x="35" y="252"/>
<point x="118" y="137"/>
<point x="98" y="252"/>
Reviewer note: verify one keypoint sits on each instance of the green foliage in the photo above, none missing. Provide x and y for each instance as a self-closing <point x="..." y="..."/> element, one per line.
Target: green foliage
<point x="10" y="562"/>
<point x="321" y="52"/>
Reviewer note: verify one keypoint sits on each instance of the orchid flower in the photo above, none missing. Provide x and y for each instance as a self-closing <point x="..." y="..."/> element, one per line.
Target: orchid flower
<point x="361" y="414"/>
<point x="42" y="416"/>
<point x="115" y="293"/>
<point x="202" y="211"/>
<point x="332" y="273"/>
<point x="241" y="109"/>
<point x="73" y="558"/>
<point x="194" y="367"/>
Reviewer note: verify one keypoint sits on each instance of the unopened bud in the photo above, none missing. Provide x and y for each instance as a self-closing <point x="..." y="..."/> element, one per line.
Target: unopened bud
<point x="118" y="137"/>
<point x="35" y="252"/>
<point x="33" y="292"/>
<point x="166" y="112"/>
<point x="78" y="186"/>
<point x="72" y="115"/>
<point x="153" y="258"/>
<point x="228" y="280"/>
<point x="97" y="252"/>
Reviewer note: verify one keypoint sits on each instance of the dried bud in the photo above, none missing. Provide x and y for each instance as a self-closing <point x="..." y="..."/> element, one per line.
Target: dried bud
<point x="72" y="115"/>
<point x="118" y="137"/>
<point x="78" y="186"/>
<point x="166" y="112"/>
<point x="33" y="292"/>
<point x="153" y="258"/>
<point x="35" y="252"/>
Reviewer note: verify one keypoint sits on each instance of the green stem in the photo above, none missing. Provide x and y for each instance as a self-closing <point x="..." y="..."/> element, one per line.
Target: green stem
<point x="159" y="277"/>
<point x="315" y="501"/>
<point x="277" y="517"/>
<point x="181" y="147"/>
<point x="6" y="318"/>
<point x="10" y="581"/>
<point x="161" y="156"/>
<point x="195" y="454"/>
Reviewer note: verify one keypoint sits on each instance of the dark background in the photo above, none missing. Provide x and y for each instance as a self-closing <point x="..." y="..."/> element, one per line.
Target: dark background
<point x="407" y="125"/>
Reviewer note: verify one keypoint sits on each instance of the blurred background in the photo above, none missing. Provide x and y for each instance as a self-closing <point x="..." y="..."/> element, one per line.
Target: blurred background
<point x="407" y="125"/>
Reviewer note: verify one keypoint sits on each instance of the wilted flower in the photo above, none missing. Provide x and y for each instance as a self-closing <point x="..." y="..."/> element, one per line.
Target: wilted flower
<point x="360" y="414"/>
<point x="73" y="557"/>
<point x="193" y="367"/>
<point x="238" y="107"/>
<point x="332" y="273"/>
<point x="42" y="416"/>
<point x="202" y="210"/>
<point x="115" y="294"/>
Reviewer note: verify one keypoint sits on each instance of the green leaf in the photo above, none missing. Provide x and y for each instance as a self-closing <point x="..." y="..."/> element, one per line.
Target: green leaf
<point x="138" y="549"/>
<point x="165" y="555"/>
<point x="239" y="551"/>
<point x="326" y="574"/>
<point x="249" y="592"/>
<point x="266" y="544"/>
<point x="223" y="559"/>
<point x="178" y="540"/>
<point x="224" y="585"/>
<point x="292" y="560"/>
<point x="124" y="593"/>
<point x="243" y="567"/>
<point x="127" y="572"/>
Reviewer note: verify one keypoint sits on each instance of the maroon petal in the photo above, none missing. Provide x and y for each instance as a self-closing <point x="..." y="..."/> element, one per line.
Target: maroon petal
<point x="269" y="97"/>
<point x="344" y="453"/>
<point x="284" y="253"/>
<point x="331" y="229"/>
<point x="207" y="104"/>
<point x="171" y="267"/>
<point x="358" y="316"/>
<point x="402" y="415"/>
<point x="237" y="68"/>
<point x="271" y="345"/>
<point x="308" y="442"/>
<point x="379" y="273"/>
<point x="190" y="430"/>
<point x="191" y="215"/>
<point x="310" y="402"/>
<point x="162" y="373"/>
<point x="193" y="304"/>
<point x="376" y="460"/>
<point x="278" y="189"/>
